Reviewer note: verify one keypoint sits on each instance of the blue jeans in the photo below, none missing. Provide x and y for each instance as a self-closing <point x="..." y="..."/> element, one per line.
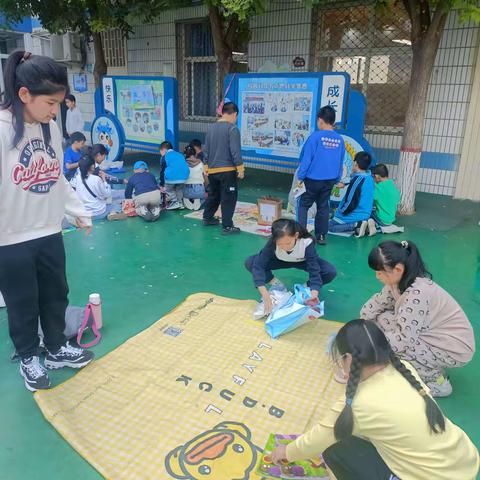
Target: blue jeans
<point x="194" y="191"/>
<point x="111" y="208"/>
<point x="336" y="227"/>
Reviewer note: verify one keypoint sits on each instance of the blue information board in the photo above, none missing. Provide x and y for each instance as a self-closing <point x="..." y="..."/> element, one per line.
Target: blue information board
<point x="138" y="113"/>
<point x="278" y="111"/>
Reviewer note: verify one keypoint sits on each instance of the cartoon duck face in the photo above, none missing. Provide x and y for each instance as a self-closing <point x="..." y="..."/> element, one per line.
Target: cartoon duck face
<point x="225" y="452"/>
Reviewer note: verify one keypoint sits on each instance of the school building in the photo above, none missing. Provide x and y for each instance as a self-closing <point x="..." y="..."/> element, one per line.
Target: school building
<point x="350" y="36"/>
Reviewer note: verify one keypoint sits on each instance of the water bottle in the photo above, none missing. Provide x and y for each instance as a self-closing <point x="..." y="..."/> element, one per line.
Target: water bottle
<point x="96" y="303"/>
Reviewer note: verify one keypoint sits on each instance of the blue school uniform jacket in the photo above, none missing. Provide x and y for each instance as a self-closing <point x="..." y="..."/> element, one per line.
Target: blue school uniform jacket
<point x="357" y="204"/>
<point x="322" y="156"/>
<point x="173" y="168"/>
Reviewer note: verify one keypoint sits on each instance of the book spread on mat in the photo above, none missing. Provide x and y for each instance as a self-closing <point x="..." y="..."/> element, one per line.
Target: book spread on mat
<point x="313" y="469"/>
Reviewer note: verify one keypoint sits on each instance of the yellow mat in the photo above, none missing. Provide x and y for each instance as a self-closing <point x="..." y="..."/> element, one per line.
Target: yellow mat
<point x="194" y="396"/>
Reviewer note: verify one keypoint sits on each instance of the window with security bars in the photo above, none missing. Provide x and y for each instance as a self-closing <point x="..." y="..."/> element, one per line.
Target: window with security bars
<point x="198" y="72"/>
<point x="373" y="47"/>
<point x="114" y="48"/>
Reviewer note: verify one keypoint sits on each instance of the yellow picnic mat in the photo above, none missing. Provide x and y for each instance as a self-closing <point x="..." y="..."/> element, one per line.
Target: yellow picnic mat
<point x="195" y="395"/>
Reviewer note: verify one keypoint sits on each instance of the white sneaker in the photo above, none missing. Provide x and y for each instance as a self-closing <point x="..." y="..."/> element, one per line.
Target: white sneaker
<point x="362" y="229"/>
<point x="441" y="387"/>
<point x="372" y="227"/>
<point x="174" y="206"/>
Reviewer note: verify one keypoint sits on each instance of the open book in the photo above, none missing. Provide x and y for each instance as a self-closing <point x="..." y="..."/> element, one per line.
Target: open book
<point x="313" y="469"/>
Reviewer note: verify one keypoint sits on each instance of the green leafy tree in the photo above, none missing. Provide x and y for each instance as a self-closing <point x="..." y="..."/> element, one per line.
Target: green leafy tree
<point x="89" y="18"/>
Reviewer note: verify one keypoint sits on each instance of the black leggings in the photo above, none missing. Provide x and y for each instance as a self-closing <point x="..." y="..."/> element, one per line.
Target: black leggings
<point x="34" y="285"/>
<point x="357" y="459"/>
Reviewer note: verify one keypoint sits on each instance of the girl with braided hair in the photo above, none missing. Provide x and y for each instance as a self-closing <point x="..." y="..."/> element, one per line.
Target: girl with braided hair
<point x="423" y="323"/>
<point x="387" y="426"/>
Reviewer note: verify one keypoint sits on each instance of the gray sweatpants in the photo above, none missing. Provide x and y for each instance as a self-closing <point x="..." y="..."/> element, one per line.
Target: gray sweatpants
<point x="174" y="192"/>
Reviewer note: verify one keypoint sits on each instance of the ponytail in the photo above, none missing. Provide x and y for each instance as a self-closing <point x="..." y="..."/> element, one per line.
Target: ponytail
<point x="40" y="76"/>
<point x="85" y="163"/>
<point x="435" y="417"/>
<point x="389" y="254"/>
<point x="344" y="425"/>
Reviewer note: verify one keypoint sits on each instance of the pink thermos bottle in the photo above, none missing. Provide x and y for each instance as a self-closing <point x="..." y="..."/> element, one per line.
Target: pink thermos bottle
<point x="96" y="303"/>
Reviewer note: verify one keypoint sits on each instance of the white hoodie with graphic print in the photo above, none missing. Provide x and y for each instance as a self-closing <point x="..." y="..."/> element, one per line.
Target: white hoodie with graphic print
<point x="34" y="194"/>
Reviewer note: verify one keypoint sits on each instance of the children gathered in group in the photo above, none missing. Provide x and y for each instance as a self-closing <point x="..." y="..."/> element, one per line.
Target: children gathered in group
<point x="393" y="359"/>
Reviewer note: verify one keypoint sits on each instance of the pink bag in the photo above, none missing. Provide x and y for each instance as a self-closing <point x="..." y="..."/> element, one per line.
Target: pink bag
<point x="89" y="313"/>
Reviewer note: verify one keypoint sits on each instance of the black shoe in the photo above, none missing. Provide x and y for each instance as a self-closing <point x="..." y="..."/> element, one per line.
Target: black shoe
<point x="230" y="230"/>
<point x="68" y="356"/>
<point x="210" y="222"/>
<point x="35" y="376"/>
<point x="322" y="240"/>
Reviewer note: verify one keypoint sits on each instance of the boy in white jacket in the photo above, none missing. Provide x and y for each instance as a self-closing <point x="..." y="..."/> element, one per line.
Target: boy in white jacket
<point x="34" y="197"/>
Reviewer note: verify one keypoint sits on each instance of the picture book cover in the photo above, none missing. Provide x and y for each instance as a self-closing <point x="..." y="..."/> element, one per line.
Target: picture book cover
<point x="313" y="469"/>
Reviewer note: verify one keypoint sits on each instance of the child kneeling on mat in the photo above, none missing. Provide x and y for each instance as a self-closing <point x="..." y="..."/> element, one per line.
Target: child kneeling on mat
<point x="143" y="185"/>
<point x="194" y="188"/>
<point x="386" y="426"/>
<point x="290" y="246"/>
<point x="422" y="322"/>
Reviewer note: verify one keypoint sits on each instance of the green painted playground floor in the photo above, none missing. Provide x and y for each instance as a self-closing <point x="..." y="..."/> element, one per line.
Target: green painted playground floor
<point x="131" y="264"/>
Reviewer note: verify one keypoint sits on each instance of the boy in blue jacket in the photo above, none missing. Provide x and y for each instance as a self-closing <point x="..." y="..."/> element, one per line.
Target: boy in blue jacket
<point x="321" y="164"/>
<point x="357" y="204"/>
<point x="174" y="172"/>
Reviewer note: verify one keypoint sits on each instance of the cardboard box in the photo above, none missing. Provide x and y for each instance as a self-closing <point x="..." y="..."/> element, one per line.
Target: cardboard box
<point x="269" y="210"/>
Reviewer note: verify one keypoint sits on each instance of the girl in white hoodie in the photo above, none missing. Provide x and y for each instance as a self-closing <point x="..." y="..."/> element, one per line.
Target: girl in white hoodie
<point x="34" y="197"/>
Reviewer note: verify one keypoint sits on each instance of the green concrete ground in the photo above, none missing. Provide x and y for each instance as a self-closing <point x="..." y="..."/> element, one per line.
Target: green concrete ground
<point x="131" y="264"/>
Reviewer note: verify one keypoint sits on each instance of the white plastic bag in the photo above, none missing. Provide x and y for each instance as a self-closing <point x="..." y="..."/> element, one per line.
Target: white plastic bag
<point x="278" y="297"/>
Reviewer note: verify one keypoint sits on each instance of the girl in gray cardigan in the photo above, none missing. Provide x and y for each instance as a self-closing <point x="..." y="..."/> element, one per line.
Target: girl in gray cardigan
<point x="422" y="322"/>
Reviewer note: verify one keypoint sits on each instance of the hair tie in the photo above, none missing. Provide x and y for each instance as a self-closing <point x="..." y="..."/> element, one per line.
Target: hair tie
<point x="422" y="393"/>
<point x="404" y="243"/>
<point x="348" y="402"/>
<point x="25" y="57"/>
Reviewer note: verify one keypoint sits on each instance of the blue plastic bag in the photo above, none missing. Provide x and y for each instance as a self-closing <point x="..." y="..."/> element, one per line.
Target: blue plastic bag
<point x="293" y="313"/>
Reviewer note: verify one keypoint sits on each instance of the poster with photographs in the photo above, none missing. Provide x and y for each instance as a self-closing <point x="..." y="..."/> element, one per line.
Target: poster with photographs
<point x="277" y="115"/>
<point x="141" y="109"/>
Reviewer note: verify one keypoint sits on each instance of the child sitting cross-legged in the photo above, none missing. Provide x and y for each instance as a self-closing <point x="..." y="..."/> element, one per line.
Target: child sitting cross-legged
<point x="144" y="187"/>
<point x="356" y="205"/>
<point x="385" y="202"/>
<point x="95" y="193"/>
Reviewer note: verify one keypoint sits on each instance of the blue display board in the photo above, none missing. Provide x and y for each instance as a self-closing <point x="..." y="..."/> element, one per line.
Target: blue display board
<point x="138" y="113"/>
<point x="278" y="111"/>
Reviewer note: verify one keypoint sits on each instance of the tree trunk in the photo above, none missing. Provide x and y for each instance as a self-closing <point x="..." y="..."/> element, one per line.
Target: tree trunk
<point x="222" y="41"/>
<point x="424" y="52"/>
<point x="100" y="68"/>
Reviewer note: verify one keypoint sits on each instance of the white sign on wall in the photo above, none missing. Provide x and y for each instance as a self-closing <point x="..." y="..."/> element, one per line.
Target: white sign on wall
<point x="333" y="93"/>
<point x="108" y="97"/>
